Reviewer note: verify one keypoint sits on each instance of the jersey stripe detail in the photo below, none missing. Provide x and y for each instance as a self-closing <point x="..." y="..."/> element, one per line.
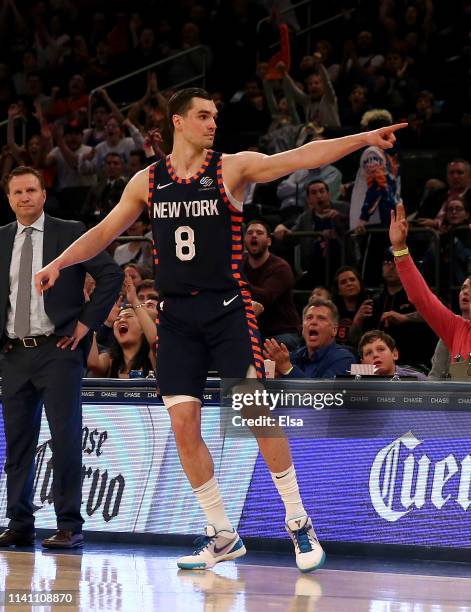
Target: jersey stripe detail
<point x="236" y="262"/>
<point x="155" y="254"/>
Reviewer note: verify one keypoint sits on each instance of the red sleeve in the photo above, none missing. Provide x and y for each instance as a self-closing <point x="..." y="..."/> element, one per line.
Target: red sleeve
<point x="443" y="322"/>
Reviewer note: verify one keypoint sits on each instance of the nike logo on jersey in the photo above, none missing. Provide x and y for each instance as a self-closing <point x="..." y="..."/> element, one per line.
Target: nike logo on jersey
<point x="159" y="186"/>
<point x="196" y="208"/>
<point x="227" y="302"/>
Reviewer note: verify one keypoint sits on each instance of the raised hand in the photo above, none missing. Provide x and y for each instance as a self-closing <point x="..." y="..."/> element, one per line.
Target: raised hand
<point x="130" y="288"/>
<point x="277" y="353"/>
<point x="398" y="228"/>
<point x="384" y="137"/>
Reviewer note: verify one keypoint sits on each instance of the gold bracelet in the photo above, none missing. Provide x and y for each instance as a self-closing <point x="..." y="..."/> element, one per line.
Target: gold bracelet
<point x="139" y="306"/>
<point x="401" y="252"/>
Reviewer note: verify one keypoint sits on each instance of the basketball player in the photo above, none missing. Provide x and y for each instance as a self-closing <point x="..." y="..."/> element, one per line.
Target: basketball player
<point x="194" y="198"/>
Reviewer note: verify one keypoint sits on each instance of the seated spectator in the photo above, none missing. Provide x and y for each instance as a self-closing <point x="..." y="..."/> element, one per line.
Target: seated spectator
<point x="325" y="48"/>
<point x="455" y="331"/>
<point x="396" y="87"/>
<point x="424" y="113"/>
<point x="38" y="146"/>
<point x="146" y="291"/>
<point x="350" y="297"/>
<point x="379" y="349"/>
<point x="441" y="357"/>
<point x="247" y="116"/>
<point x="95" y="134"/>
<point x="392" y="310"/>
<point x="320" y="255"/>
<point x="361" y="61"/>
<point x="138" y="252"/>
<point x="115" y="142"/>
<point x="133" y="347"/>
<point x="321" y="357"/>
<point x="431" y="211"/>
<point x="271" y="283"/>
<point x="319" y="101"/>
<point x="34" y="89"/>
<point x="137" y="161"/>
<point x="454" y="248"/>
<point x="107" y="193"/>
<point x="64" y="157"/>
<point x="357" y="106"/>
<point x="148" y="295"/>
<point x="291" y="190"/>
<point x="321" y="293"/>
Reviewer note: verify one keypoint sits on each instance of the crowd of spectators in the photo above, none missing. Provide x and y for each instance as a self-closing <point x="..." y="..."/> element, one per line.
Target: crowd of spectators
<point x="322" y="230"/>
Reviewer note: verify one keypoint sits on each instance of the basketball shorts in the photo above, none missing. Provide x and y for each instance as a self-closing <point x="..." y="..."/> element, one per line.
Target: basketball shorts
<point x="203" y="331"/>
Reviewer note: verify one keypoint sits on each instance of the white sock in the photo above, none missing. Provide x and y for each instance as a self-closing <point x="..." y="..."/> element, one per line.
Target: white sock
<point x="287" y="486"/>
<point x="212" y="505"/>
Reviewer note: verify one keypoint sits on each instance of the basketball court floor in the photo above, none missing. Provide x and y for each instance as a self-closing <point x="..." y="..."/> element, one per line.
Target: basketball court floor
<point x="145" y="578"/>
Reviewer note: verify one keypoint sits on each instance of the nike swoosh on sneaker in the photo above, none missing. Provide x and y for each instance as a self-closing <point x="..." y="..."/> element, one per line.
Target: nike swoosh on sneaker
<point x="227" y="302"/>
<point x="218" y="550"/>
<point x="163" y="186"/>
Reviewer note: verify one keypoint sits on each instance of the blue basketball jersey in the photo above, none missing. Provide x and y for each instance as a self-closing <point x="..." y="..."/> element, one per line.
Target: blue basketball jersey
<point x="197" y="231"/>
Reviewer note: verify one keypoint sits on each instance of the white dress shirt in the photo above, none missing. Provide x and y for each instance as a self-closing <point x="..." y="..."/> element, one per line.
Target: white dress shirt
<point x="40" y="324"/>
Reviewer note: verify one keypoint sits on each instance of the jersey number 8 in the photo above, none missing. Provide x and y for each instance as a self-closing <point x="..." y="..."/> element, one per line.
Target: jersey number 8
<point x="185" y="243"/>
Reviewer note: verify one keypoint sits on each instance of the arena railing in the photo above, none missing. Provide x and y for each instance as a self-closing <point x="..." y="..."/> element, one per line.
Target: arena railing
<point x="345" y="242"/>
<point x="310" y="27"/>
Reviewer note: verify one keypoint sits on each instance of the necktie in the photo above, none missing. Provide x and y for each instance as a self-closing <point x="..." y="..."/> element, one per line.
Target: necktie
<point x="23" y="299"/>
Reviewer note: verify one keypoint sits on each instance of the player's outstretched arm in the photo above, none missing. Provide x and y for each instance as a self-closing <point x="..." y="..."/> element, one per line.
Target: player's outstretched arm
<point x="258" y="168"/>
<point x="128" y="209"/>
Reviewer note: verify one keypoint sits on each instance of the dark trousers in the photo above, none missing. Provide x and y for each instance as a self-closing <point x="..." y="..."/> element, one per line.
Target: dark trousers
<point x="33" y="377"/>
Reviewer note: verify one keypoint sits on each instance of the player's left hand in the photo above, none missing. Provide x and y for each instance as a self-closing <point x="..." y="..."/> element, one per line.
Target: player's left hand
<point x="80" y="331"/>
<point x="384" y="137"/>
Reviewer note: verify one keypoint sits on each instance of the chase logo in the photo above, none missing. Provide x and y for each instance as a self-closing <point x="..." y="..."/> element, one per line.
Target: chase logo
<point x="206" y="181"/>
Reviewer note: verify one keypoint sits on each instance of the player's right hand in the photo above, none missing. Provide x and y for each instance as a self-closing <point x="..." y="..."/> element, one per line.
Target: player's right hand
<point x="46" y="277"/>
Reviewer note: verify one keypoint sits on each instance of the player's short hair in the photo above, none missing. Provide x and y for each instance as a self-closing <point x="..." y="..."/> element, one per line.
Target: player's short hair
<point x="258" y="222"/>
<point x="181" y="101"/>
<point x="376" y="334"/>
<point x="21" y="171"/>
<point x="318" y="302"/>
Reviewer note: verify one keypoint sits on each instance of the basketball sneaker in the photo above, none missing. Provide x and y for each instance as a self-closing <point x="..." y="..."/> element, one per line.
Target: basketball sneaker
<point x="213" y="547"/>
<point x="309" y="553"/>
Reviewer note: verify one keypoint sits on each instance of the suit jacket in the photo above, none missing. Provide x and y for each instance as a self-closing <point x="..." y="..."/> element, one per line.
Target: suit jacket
<point x="65" y="302"/>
